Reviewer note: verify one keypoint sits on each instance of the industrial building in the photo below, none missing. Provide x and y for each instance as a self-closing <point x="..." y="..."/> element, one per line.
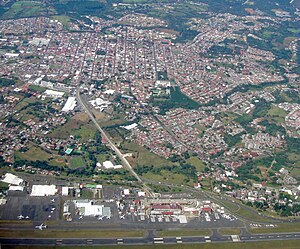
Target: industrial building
<point x="43" y="190"/>
<point x="90" y="208"/>
<point x="69" y="105"/>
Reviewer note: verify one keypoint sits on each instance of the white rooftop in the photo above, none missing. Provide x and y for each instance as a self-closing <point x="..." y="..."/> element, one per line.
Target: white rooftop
<point x="16" y="188"/>
<point x="12" y="179"/>
<point x="55" y="94"/>
<point x="43" y="190"/>
<point x="69" y="105"/>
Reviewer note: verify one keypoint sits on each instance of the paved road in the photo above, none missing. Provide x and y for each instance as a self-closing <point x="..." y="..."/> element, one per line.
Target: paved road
<point x="147" y="240"/>
<point x="111" y="144"/>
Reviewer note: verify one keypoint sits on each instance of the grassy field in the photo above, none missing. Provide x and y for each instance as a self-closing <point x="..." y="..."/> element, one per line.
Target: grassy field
<point x="37" y="88"/>
<point x="292" y="244"/>
<point x="33" y="154"/>
<point x="144" y="156"/>
<point x="26" y="9"/>
<point x="165" y="176"/>
<point x="66" y="130"/>
<point x="229" y="231"/>
<point x="71" y="233"/>
<point x="36" y="153"/>
<point x="277" y="114"/>
<point x="281" y="228"/>
<point x="176" y="233"/>
<point x="77" y="162"/>
<point x="24" y="103"/>
<point x="64" y="20"/>
<point x="195" y="161"/>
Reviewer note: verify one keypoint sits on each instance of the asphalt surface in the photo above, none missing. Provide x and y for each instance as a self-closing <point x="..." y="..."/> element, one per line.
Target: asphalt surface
<point x="147" y="240"/>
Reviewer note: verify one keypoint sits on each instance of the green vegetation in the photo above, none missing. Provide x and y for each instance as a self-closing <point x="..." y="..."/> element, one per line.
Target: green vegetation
<point x="77" y="162"/>
<point x="229" y="231"/>
<point x="48" y="233"/>
<point x="279" y="228"/>
<point x="64" y="20"/>
<point x="144" y="156"/>
<point x="177" y="100"/>
<point x="4" y="186"/>
<point x="197" y="163"/>
<point x="27" y="9"/>
<point x="7" y="82"/>
<point x="36" y="88"/>
<point x="181" y="174"/>
<point x="172" y="233"/>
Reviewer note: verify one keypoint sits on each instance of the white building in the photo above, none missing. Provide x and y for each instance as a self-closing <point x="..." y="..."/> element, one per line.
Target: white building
<point x="12" y="179"/>
<point x="43" y="190"/>
<point x="54" y="94"/>
<point x="69" y="105"/>
<point x="89" y="208"/>
<point x="65" y="191"/>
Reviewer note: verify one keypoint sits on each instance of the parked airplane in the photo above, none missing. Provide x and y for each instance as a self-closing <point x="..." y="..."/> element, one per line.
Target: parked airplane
<point x="122" y="217"/>
<point x="100" y="217"/>
<point x="52" y="200"/>
<point x="20" y="217"/>
<point x="41" y="227"/>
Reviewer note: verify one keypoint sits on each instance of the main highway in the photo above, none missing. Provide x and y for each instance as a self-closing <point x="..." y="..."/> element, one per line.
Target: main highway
<point x="111" y="144"/>
<point x="215" y="238"/>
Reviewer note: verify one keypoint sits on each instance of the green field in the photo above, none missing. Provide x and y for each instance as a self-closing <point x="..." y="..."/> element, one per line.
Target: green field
<point x="280" y="228"/>
<point x="292" y="244"/>
<point x="33" y="154"/>
<point x="37" y="154"/>
<point x="229" y="231"/>
<point x="165" y="176"/>
<point x="77" y="162"/>
<point x="195" y="161"/>
<point x="71" y="233"/>
<point x="144" y="156"/>
<point x="37" y="88"/>
<point x="26" y="9"/>
<point x="176" y="233"/>
<point x="64" y="20"/>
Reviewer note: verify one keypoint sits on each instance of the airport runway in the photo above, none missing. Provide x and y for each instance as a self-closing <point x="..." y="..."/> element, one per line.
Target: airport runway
<point x="148" y="240"/>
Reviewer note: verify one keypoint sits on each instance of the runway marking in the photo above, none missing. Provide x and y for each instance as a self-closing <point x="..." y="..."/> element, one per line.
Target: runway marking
<point x="179" y="241"/>
<point x="158" y="240"/>
<point x="120" y="241"/>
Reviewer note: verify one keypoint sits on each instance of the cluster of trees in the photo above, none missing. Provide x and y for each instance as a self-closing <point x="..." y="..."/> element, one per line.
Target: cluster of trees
<point x="6" y="82"/>
<point x="176" y="100"/>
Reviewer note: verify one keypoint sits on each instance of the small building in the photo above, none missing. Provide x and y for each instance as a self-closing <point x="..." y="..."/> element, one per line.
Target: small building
<point x="16" y="188"/>
<point x="65" y="191"/>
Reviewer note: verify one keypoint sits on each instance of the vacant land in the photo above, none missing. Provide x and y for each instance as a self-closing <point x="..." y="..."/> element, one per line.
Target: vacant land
<point x="195" y="161"/>
<point x="172" y="233"/>
<point x="70" y="233"/>
<point x="27" y="9"/>
<point x="144" y="156"/>
<point x="229" y="231"/>
<point x="281" y="228"/>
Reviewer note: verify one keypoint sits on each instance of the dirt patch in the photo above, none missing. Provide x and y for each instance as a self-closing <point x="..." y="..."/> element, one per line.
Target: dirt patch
<point x="82" y="116"/>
